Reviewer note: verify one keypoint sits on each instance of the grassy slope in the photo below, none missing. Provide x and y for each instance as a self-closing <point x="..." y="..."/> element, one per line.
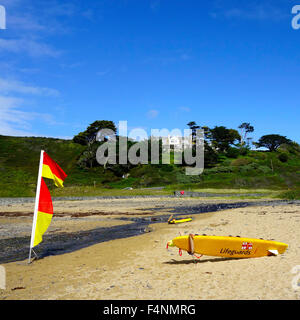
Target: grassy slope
<point x="19" y="161"/>
<point x="19" y="158"/>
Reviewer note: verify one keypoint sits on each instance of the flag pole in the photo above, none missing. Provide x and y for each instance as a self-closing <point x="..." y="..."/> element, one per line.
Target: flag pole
<point x="36" y="206"/>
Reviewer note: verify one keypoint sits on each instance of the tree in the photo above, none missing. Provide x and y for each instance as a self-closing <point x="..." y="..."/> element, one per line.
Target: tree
<point x="272" y="141"/>
<point x="207" y="133"/>
<point x="121" y="169"/>
<point x="210" y="156"/>
<point x="222" y="138"/>
<point x="88" y="157"/>
<point x="89" y="135"/>
<point x="245" y="129"/>
<point x="193" y="126"/>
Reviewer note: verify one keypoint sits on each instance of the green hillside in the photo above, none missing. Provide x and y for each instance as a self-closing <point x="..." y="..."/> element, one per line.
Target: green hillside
<point x="19" y="159"/>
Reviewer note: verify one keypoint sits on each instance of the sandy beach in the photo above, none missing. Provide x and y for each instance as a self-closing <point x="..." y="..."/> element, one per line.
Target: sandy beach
<point x="141" y="268"/>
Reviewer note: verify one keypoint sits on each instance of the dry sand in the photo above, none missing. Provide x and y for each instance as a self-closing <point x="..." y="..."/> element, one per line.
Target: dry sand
<point x="140" y="268"/>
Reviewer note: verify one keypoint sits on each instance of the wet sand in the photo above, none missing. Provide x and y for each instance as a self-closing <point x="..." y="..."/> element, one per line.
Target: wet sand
<point x="140" y="267"/>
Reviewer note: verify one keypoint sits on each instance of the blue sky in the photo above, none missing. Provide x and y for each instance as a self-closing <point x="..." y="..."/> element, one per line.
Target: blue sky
<point x="155" y="63"/>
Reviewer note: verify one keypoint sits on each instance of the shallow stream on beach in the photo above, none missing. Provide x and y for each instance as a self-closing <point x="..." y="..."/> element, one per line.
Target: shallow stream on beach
<point x="17" y="249"/>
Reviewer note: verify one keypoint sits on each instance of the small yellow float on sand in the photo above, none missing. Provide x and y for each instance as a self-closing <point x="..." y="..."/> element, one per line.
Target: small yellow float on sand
<point x="180" y="220"/>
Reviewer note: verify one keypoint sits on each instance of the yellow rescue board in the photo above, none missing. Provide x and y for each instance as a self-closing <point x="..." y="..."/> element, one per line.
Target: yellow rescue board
<point x="174" y="221"/>
<point x="231" y="247"/>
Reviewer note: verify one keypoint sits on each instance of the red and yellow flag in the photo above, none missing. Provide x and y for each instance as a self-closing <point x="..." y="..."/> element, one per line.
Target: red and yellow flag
<point x="43" y="211"/>
<point x="44" y="214"/>
<point x="52" y="170"/>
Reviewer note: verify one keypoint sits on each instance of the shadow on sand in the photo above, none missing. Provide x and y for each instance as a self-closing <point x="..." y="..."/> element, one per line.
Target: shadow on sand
<point x="201" y="260"/>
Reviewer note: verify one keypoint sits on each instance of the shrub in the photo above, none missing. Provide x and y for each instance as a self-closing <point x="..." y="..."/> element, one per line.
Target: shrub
<point x="291" y="195"/>
<point x="181" y="177"/>
<point x="260" y="155"/>
<point x="244" y="151"/>
<point x="254" y="167"/>
<point x="216" y="170"/>
<point x="264" y="169"/>
<point x="221" y="158"/>
<point x="226" y="163"/>
<point x="233" y="153"/>
<point x="167" y="168"/>
<point x="245" y="169"/>
<point x="283" y="157"/>
<point x="241" y="162"/>
<point x="293" y="148"/>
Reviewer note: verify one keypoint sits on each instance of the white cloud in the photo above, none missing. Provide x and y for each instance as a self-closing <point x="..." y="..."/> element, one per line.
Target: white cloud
<point x="31" y="47"/>
<point x="7" y="86"/>
<point x="15" y="120"/>
<point x="29" y="70"/>
<point x="184" y="109"/>
<point x="102" y="73"/>
<point x="170" y="58"/>
<point x="57" y="8"/>
<point x="151" y="114"/>
<point x="252" y="11"/>
<point x="73" y="65"/>
<point x="24" y="22"/>
<point x="185" y="56"/>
